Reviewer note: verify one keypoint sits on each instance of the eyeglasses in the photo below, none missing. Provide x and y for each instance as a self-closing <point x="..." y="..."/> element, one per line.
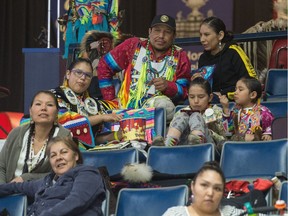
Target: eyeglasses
<point x="79" y="73"/>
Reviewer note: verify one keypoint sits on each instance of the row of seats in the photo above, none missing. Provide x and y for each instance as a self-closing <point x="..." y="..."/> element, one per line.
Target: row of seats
<point x="131" y="201"/>
<point x="154" y="201"/>
<point x="261" y="159"/>
<point x="258" y="158"/>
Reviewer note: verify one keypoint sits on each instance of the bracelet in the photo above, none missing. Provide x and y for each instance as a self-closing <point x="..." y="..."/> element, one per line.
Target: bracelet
<point x="116" y="136"/>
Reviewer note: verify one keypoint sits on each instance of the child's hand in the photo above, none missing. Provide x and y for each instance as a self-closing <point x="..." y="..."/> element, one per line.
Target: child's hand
<point x="249" y="137"/>
<point x="266" y="137"/>
<point x="223" y="99"/>
<point x="224" y="102"/>
<point x="195" y="75"/>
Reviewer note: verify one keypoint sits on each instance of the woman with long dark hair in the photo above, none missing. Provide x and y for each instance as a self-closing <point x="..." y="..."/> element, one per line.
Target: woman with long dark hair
<point x="23" y="156"/>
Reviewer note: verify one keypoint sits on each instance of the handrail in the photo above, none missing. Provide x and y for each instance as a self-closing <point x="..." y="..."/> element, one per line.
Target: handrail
<point x="237" y="37"/>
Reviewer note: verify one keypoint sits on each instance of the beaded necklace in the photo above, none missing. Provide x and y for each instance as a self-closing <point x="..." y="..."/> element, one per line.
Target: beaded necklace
<point x="30" y="142"/>
<point x="134" y="97"/>
<point x="148" y="58"/>
<point x="40" y="154"/>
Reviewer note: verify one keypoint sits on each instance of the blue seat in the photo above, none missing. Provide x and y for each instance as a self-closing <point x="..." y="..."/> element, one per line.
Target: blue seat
<point x="15" y="204"/>
<point x="283" y="193"/>
<point x="179" y="159"/>
<point x="278" y="108"/>
<point x="276" y="84"/>
<point x="254" y="159"/>
<point x="114" y="160"/>
<point x="160" y="121"/>
<point x="150" y="201"/>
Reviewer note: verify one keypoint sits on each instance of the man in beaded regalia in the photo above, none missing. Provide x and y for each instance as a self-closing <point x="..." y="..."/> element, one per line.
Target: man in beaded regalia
<point x="156" y="73"/>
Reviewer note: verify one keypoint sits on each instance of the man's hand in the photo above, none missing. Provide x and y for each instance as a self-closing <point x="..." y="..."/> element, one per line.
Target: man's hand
<point x="160" y="84"/>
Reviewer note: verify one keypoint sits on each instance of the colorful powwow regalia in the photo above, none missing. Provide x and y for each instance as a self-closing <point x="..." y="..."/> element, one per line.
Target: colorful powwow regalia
<point x="85" y="15"/>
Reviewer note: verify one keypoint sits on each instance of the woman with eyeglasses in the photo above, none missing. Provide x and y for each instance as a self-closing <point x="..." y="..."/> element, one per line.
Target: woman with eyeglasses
<point x="79" y="110"/>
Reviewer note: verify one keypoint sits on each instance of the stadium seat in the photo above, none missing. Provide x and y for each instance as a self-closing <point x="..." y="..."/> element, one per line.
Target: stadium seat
<point x="283" y="193"/>
<point x="179" y="159"/>
<point x="150" y="201"/>
<point x="279" y="128"/>
<point x="252" y="160"/>
<point x="257" y="159"/>
<point x="160" y="121"/>
<point x="114" y="160"/>
<point x="15" y="204"/>
<point x="276" y="85"/>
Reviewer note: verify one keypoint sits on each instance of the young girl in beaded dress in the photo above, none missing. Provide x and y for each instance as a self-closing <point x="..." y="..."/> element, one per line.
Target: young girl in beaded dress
<point x="191" y="125"/>
<point x="248" y="120"/>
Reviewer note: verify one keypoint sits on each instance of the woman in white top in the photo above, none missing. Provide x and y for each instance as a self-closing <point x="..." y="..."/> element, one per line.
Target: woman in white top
<point x="207" y="188"/>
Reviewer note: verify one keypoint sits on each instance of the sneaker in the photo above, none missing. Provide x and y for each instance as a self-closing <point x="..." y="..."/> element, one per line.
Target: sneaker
<point x="158" y="141"/>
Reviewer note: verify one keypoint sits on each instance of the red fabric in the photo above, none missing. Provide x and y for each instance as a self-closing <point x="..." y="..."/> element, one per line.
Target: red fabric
<point x="15" y="118"/>
<point x="262" y="184"/>
<point x="278" y="58"/>
<point x="237" y="186"/>
<point x="5" y="124"/>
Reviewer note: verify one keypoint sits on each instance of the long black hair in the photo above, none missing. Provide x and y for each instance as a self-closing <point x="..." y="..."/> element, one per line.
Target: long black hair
<point x="218" y="25"/>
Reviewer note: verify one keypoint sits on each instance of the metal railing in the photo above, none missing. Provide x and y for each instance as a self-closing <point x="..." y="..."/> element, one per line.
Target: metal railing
<point x="237" y="37"/>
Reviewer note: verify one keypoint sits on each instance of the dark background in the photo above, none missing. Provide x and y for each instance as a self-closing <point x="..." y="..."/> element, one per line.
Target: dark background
<point x="21" y="23"/>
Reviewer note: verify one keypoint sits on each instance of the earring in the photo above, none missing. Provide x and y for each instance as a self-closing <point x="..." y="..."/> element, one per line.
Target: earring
<point x="220" y="45"/>
<point x="56" y="122"/>
<point x="31" y="121"/>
